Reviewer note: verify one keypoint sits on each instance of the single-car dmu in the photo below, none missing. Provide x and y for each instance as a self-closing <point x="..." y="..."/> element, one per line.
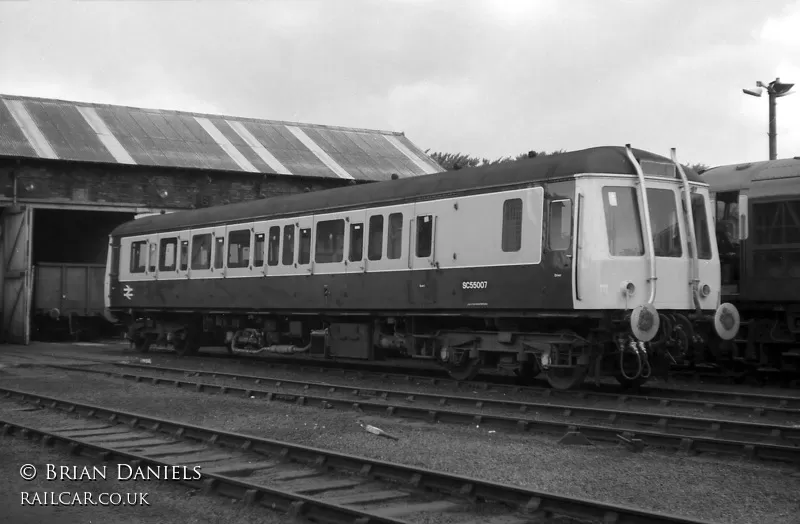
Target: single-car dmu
<point x="583" y="263"/>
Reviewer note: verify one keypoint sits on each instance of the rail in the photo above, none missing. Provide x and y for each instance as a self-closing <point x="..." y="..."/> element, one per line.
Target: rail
<point x="516" y="498"/>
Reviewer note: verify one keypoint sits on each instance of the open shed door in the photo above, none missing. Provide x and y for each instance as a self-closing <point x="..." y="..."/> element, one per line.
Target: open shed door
<point x="17" y="225"/>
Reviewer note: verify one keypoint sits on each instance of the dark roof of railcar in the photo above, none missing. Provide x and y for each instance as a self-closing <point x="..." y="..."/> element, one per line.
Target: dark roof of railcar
<point x="612" y="160"/>
<point x="85" y="132"/>
<point x="741" y="176"/>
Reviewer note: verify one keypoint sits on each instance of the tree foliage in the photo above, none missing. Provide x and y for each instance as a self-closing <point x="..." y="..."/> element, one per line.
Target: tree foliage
<point x="698" y="167"/>
<point x="454" y="161"/>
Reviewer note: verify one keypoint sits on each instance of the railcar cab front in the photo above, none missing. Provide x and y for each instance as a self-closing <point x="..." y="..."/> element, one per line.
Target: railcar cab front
<point x="646" y="257"/>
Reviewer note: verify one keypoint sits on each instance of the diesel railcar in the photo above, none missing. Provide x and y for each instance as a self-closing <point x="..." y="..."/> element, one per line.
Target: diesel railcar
<point x="757" y="214"/>
<point x="584" y="263"/>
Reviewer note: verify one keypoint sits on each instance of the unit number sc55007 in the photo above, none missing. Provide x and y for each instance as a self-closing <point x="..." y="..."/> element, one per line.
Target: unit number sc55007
<point x="474" y="285"/>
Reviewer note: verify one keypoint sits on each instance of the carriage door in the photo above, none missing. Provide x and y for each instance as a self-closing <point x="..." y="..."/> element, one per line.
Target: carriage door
<point x="238" y="250"/>
<point x="17" y="275"/>
<point x="202" y="249"/>
<point x="423" y="259"/>
<point x="730" y="216"/>
<point x="355" y="247"/>
<point x="558" y="254"/>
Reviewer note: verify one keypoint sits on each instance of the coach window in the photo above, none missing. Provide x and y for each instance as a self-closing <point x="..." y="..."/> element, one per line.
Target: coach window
<point x="167" y="259"/>
<point x="512" y="225"/>
<point x="701" y="229"/>
<point x="424" y="235"/>
<point x="219" y="252"/>
<point x="664" y="223"/>
<point x="288" y="245"/>
<point x="394" y="246"/>
<point x="184" y="255"/>
<point x="239" y="248"/>
<point x="776" y="239"/>
<point x="375" y="248"/>
<point x="621" y="207"/>
<point x="356" y="242"/>
<point x="560" y="225"/>
<point x="138" y="256"/>
<point x="274" y="245"/>
<point x="304" y="249"/>
<point x="153" y="257"/>
<point x="330" y="241"/>
<point x="258" y="250"/>
<point x="201" y="251"/>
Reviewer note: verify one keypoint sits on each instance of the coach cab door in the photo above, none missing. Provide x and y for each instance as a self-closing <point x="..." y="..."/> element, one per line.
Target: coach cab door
<point x="423" y="258"/>
<point x="559" y="252"/>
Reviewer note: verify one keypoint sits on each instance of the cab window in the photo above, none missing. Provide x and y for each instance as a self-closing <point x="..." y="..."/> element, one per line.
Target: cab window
<point x="623" y="222"/>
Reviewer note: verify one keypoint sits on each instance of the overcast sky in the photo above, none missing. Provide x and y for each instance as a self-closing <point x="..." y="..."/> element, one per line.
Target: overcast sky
<point x="490" y="78"/>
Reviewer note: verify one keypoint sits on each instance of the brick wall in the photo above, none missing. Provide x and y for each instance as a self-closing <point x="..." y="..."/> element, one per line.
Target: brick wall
<point x="145" y="186"/>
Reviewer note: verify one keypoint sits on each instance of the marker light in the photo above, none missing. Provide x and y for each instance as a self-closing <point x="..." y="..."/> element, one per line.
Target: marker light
<point x="705" y="290"/>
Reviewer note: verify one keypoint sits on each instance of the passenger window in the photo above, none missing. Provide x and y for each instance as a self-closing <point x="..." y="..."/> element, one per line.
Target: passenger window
<point x="560" y="227"/>
<point x="258" y="250"/>
<point x="239" y="248"/>
<point x="153" y="257"/>
<point x="512" y="225"/>
<point x="356" y="242"/>
<point x="138" y="256"/>
<point x="623" y="223"/>
<point x="375" y="248"/>
<point x="168" y="252"/>
<point x="330" y="242"/>
<point x="201" y="251"/>
<point x="304" y="251"/>
<point x="701" y="229"/>
<point x="777" y="223"/>
<point x="219" y="252"/>
<point x="664" y="223"/>
<point x="288" y="245"/>
<point x="424" y="235"/>
<point x="273" y="251"/>
<point x="394" y="246"/>
<point x="184" y="255"/>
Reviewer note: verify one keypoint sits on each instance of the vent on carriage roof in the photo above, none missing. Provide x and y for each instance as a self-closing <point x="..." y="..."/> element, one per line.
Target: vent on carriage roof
<point x="84" y="132"/>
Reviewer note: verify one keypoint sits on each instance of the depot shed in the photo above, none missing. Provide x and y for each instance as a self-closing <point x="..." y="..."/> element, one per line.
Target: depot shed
<point x="73" y="171"/>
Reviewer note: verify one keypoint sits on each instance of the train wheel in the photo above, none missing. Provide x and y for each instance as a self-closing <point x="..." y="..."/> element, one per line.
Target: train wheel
<point x="186" y="346"/>
<point x="141" y="344"/>
<point x="566" y="378"/>
<point x="628" y="383"/>
<point x="466" y="371"/>
<point x="527" y="372"/>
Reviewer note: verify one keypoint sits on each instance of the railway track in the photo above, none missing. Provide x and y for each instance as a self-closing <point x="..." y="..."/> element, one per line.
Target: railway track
<point x="440" y="377"/>
<point x="735" y="401"/>
<point x="746" y="404"/>
<point x="304" y="482"/>
<point x="770" y="442"/>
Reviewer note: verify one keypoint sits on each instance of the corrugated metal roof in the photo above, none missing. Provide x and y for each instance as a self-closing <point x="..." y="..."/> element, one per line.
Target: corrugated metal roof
<point x="58" y="129"/>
